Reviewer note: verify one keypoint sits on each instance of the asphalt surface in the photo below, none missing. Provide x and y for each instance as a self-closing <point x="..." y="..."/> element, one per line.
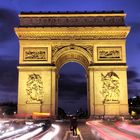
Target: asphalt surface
<point x="83" y="132"/>
<point x="86" y="130"/>
<point x="97" y="130"/>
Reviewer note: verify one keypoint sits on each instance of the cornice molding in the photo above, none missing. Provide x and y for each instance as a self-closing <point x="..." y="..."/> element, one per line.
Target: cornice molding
<point x="71" y="14"/>
<point x="114" y="67"/>
<point x="72" y="33"/>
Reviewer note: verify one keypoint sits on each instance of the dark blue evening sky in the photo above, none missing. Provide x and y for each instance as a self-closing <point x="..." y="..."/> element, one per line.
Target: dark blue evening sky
<point x="9" y="47"/>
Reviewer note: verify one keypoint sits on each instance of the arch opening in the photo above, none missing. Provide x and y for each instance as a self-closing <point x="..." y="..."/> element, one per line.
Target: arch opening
<point x="72" y="90"/>
<point x="72" y="53"/>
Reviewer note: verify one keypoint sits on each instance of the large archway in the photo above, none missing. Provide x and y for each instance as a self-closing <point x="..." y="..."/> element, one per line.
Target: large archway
<point x="94" y="40"/>
<point x="72" y="89"/>
<point x="72" y="53"/>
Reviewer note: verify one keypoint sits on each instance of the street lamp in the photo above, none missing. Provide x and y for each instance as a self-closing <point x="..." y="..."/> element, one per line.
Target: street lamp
<point x="14" y="113"/>
<point x="3" y="114"/>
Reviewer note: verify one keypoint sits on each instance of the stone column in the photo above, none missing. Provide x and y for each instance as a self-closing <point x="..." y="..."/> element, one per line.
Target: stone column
<point x="36" y="90"/>
<point x="91" y="91"/>
<point x="108" y="90"/>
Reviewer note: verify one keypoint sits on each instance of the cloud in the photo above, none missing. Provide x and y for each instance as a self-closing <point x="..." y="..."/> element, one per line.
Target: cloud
<point x="137" y="80"/>
<point x="138" y="45"/>
<point x="133" y="82"/>
<point x="135" y="27"/>
<point x="132" y="74"/>
<point x="7" y="96"/>
<point x="8" y="20"/>
<point x="72" y="86"/>
<point x="8" y="75"/>
<point x="76" y="77"/>
<point x="72" y="106"/>
<point x="133" y="92"/>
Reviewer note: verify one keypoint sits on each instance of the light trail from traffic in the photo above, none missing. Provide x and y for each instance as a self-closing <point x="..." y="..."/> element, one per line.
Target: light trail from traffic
<point x="15" y="132"/>
<point x="29" y="130"/>
<point x="51" y="134"/>
<point x="109" y="132"/>
<point x="128" y="127"/>
<point x="98" y="132"/>
<point x="30" y="134"/>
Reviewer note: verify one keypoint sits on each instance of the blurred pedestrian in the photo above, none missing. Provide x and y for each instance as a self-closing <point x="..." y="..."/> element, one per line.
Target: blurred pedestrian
<point x="71" y="127"/>
<point x="74" y="124"/>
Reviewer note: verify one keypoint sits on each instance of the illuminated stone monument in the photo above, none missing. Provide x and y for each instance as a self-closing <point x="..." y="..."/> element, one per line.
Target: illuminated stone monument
<point x="96" y="40"/>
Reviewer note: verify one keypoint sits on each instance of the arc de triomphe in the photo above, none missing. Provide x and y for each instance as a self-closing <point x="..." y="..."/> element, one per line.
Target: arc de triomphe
<point x="96" y="40"/>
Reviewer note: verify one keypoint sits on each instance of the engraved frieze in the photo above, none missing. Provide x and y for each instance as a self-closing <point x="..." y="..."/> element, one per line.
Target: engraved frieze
<point x="34" y="89"/>
<point x="87" y="48"/>
<point x="72" y="21"/>
<point x="35" y="54"/>
<point x="56" y="48"/>
<point x="109" y="53"/>
<point x="110" y="87"/>
<point x="63" y="36"/>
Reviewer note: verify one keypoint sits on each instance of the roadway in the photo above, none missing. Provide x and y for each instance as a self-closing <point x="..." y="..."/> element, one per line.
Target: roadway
<point x="60" y="130"/>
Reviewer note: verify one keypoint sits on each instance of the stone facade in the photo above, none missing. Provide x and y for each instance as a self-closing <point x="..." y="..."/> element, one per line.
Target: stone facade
<point x="94" y="40"/>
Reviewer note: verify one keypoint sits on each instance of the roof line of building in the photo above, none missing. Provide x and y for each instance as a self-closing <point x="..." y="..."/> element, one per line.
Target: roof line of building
<point x="72" y="14"/>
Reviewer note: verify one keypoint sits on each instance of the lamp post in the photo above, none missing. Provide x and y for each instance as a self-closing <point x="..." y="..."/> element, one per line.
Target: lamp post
<point x="14" y="113"/>
<point x="3" y="114"/>
<point x="41" y="102"/>
<point x="104" y="107"/>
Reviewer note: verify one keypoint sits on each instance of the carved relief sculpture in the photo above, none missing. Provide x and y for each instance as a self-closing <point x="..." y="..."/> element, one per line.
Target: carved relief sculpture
<point x="35" y="54"/>
<point x="109" y="53"/>
<point x="87" y="48"/>
<point x="34" y="89"/>
<point x="72" y="21"/>
<point x="110" y="88"/>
